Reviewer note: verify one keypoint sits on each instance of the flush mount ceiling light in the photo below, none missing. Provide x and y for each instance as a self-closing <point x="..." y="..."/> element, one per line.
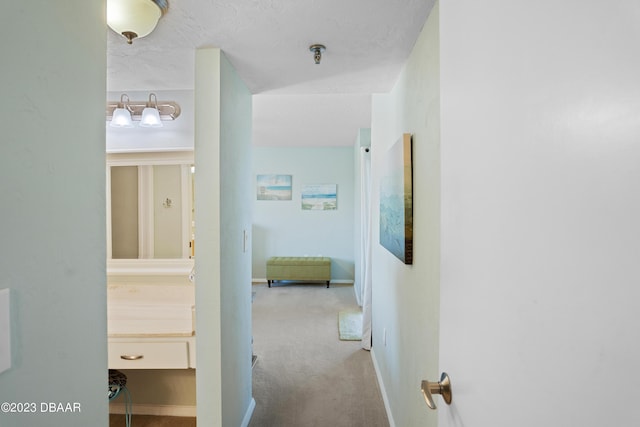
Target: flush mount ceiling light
<point x="149" y="113"/>
<point x="135" y="18"/>
<point x="317" y="50"/>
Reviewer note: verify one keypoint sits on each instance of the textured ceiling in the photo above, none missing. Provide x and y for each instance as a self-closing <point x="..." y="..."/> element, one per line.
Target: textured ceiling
<point x="267" y="41"/>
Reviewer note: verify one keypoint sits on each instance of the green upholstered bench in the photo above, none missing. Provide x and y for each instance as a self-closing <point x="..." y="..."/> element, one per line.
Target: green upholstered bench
<point x="304" y="269"/>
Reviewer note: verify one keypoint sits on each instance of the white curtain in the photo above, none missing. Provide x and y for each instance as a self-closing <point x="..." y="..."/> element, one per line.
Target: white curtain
<point x="365" y="249"/>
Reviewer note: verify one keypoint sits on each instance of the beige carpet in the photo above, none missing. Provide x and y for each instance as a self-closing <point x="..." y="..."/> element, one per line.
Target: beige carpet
<point x="305" y="376"/>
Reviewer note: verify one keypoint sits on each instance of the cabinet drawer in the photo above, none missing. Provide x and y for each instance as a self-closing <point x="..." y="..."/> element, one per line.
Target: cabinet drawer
<point x="149" y="355"/>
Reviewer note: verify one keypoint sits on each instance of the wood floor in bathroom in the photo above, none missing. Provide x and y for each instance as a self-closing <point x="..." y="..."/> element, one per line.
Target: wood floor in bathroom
<point x="117" y="420"/>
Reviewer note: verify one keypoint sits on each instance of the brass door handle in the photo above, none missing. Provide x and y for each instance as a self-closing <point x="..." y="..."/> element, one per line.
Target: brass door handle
<point x="443" y="387"/>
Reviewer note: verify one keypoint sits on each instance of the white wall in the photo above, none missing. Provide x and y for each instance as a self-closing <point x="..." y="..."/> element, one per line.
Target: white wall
<point x="406" y="297"/>
<point x="52" y="186"/>
<point x="540" y="208"/>
<point x="223" y="212"/>
<point x="282" y="228"/>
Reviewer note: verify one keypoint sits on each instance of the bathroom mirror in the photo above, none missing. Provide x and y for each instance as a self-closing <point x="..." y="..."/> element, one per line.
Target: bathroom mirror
<point x="150" y="210"/>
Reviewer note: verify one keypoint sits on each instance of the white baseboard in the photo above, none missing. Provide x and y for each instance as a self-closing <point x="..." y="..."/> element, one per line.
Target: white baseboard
<point x="150" y="409"/>
<point x="383" y="390"/>
<point x="259" y="281"/>
<point x="249" y="413"/>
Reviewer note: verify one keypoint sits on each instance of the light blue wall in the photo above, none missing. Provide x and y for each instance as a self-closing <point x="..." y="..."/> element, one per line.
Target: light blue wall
<point x="223" y="212"/>
<point x="235" y="219"/>
<point x="282" y="228"/>
<point x="52" y="187"/>
<point x="406" y="298"/>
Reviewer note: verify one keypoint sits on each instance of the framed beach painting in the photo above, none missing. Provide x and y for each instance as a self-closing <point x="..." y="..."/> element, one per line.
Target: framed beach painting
<point x="274" y="187"/>
<point x="319" y="197"/>
<point x="396" y="201"/>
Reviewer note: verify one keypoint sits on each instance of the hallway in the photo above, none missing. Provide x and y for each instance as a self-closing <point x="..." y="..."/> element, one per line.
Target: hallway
<point x="305" y="376"/>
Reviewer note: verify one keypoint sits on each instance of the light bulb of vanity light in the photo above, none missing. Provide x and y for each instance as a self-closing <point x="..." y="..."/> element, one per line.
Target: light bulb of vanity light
<point x="150" y="118"/>
<point x="121" y="118"/>
<point x="150" y="114"/>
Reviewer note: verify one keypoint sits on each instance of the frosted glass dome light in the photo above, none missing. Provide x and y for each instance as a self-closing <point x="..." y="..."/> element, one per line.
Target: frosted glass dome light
<point x="121" y="118"/>
<point x="122" y="114"/>
<point x="135" y="18"/>
<point x="150" y="114"/>
<point x="150" y="118"/>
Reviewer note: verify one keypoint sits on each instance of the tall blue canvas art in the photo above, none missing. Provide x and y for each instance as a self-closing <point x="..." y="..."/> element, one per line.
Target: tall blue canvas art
<point x="396" y="201"/>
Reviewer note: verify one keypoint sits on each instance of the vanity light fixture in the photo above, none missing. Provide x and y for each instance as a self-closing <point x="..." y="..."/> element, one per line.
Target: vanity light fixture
<point x="317" y="50"/>
<point x="149" y="113"/>
<point x="135" y="18"/>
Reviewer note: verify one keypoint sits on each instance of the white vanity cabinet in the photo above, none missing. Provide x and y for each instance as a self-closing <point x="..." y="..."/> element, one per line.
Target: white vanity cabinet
<point x="150" y="235"/>
<point x="151" y="326"/>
